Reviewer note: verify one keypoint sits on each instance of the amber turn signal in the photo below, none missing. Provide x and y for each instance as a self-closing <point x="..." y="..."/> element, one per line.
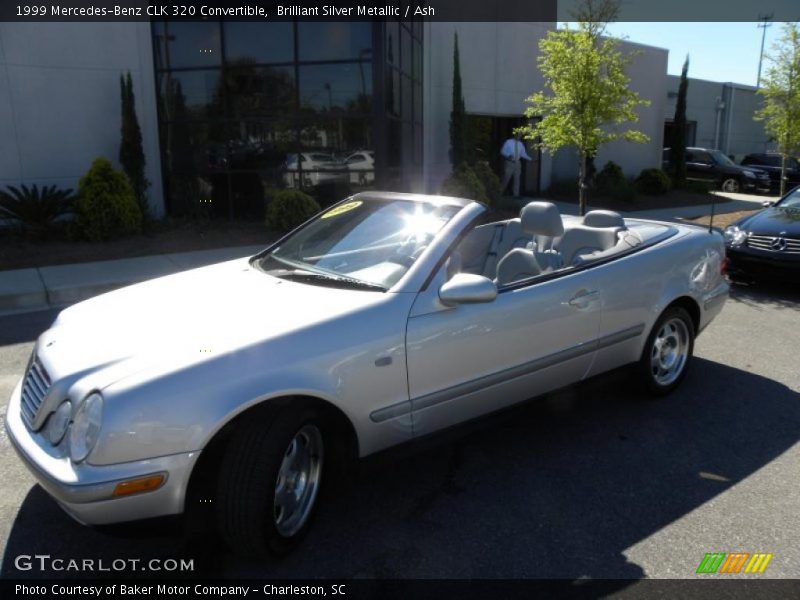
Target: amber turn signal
<point x="137" y="486"/>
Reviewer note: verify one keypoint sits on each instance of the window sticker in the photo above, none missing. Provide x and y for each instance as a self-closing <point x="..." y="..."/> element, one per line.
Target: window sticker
<point x="343" y="208"/>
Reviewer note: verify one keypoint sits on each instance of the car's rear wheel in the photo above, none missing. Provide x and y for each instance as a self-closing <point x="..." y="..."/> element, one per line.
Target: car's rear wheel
<point x="731" y="184"/>
<point x="668" y="351"/>
<point x="269" y="481"/>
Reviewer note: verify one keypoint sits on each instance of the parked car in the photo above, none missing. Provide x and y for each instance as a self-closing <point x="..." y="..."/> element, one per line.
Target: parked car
<point x="362" y="167"/>
<point x="317" y="168"/>
<point x="767" y="243"/>
<point x="385" y="318"/>
<point x="717" y="169"/>
<point x="771" y="164"/>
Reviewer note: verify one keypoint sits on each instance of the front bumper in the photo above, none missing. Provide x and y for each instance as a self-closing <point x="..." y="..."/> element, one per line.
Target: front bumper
<point x="762" y="264"/>
<point x="85" y="491"/>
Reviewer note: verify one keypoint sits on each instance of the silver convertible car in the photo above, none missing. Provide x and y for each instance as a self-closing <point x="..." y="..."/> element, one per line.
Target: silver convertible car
<point x="244" y="385"/>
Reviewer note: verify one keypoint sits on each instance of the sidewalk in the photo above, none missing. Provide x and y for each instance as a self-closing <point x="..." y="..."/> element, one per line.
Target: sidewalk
<point x="737" y="202"/>
<point x="26" y="290"/>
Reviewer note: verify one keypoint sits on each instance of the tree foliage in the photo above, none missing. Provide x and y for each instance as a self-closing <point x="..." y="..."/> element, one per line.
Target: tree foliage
<point x="586" y="102"/>
<point x="781" y="94"/>
<point x="131" y="152"/>
<point x="458" y="126"/>
<point x="677" y="149"/>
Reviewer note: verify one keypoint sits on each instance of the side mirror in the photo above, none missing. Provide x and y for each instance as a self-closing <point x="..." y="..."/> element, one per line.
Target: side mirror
<point x="465" y="288"/>
<point x="767" y="203"/>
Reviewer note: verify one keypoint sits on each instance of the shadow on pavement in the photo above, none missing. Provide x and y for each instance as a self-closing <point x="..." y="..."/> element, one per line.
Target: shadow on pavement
<point x="767" y="293"/>
<point x="557" y="488"/>
<point x="25" y="327"/>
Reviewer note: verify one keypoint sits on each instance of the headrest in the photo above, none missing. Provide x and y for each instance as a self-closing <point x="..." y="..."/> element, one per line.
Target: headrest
<point x="541" y="218"/>
<point x="603" y="218"/>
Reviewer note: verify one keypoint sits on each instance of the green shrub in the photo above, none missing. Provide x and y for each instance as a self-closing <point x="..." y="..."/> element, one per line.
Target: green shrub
<point x="653" y="182"/>
<point x="106" y="206"/>
<point x="35" y="211"/>
<point x="490" y="181"/>
<point x="609" y="179"/>
<point x="464" y="183"/>
<point x="290" y="208"/>
<point x="624" y="191"/>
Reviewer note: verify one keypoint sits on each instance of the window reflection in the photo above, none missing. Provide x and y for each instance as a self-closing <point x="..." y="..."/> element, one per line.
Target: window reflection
<point x="259" y="42"/>
<point x="191" y="94"/>
<point x="344" y="87"/>
<point x="179" y="45"/>
<point x="259" y="91"/>
<point x="334" y="41"/>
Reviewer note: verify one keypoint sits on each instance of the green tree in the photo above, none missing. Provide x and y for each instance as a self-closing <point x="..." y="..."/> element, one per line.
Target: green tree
<point x="131" y="153"/>
<point x="458" y="126"/>
<point x="677" y="150"/>
<point x="588" y="100"/>
<point x="780" y="90"/>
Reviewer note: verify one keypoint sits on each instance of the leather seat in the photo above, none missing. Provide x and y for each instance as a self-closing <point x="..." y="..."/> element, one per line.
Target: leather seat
<point x="537" y="219"/>
<point x="599" y="231"/>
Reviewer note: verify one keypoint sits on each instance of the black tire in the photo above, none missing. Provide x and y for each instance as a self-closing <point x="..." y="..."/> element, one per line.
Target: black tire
<point x="647" y="372"/>
<point x="245" y="506"/>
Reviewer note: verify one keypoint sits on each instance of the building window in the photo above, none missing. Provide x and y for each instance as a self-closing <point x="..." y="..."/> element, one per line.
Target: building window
<point x="246" y="107"/>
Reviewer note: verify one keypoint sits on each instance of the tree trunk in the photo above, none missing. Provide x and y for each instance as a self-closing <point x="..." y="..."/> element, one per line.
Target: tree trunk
<point x="582" y="183"/>
<point x="783" y="175"/>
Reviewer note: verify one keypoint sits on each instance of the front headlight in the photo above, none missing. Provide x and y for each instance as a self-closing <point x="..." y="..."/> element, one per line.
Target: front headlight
<point x="86" y="427"/>
<point x="735" y="236"/>
<point x="749" y="174"/>
<point x="58" y="422"/>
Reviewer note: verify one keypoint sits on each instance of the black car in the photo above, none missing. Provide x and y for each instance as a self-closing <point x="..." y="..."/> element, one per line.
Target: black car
<point x="768" y="242"/>
<point x="771" y="163"/>
<point x="714" y="167"/>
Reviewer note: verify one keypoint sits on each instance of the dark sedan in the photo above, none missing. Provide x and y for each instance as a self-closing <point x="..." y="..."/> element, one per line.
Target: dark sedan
<point x="772" y="164"/>
<point x="767" y="242"/>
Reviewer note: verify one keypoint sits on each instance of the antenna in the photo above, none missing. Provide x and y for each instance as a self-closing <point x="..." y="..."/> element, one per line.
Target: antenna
<point x="763" y="25"/>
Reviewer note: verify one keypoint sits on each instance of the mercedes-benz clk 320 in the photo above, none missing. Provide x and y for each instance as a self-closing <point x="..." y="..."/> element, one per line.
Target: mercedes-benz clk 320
<point x="385" y="318"/>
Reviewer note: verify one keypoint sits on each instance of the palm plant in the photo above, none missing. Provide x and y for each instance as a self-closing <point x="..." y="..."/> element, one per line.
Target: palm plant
<point x="35" y="211"/>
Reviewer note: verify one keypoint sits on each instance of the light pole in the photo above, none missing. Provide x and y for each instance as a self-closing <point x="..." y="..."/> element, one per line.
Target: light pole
<point x="763" y="25"/>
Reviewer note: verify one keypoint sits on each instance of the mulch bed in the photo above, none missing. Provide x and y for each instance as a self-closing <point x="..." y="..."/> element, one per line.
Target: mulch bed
<point x="161" y="238"/>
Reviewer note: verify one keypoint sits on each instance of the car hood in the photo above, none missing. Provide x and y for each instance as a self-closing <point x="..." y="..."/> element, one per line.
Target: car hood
<point x="185" y="318"/>
<point x="774" y="221"/>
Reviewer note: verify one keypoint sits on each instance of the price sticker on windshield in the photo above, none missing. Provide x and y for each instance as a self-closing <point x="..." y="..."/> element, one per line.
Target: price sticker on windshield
<point x="343" y="208"/>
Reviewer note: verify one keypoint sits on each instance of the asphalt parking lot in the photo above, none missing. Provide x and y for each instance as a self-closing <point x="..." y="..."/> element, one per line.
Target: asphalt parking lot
<point x="591" y="482"/>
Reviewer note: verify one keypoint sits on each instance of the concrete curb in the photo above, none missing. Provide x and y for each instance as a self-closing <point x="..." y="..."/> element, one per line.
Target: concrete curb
<point x="28" y="290"/>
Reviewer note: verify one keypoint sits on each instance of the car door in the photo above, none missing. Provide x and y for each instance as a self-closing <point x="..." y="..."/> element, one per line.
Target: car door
<point x="471" y="359"/>
<point x="700" y="166"/>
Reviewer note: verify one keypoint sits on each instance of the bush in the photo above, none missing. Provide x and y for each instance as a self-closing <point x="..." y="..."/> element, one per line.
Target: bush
<point x="464" y="183"/>
<point x="490" y="181"/>
<point x="624" y="191"/>
<point x="35" y="211"/>
<point x="106" y="206"/>
<point x="610" y="179"/>
<point x="653" y="182"/>
<point x="290" y="208"/>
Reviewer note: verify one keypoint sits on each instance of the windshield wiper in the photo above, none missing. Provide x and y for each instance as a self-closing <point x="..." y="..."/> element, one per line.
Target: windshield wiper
<point x="338" y="280"/>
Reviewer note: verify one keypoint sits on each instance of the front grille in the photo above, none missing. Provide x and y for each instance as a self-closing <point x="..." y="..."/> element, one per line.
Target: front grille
<point x="34" y="389"/>
<point x="773" y="244"/>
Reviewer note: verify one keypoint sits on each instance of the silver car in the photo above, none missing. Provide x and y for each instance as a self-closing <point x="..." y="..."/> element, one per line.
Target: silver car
<point x="244" y="385"/>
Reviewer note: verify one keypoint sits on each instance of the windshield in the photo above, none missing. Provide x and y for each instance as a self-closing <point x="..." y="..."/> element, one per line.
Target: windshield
<point x="792" y="200"/>
<point x="364" y="243"/>
<point x="721" y="159"/>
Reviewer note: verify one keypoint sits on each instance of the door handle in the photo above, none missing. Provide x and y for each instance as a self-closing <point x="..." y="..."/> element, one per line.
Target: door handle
<point x="582" y="299"/>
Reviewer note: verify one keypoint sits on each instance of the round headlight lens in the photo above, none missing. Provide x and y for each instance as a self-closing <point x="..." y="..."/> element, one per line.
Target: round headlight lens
<point x="58" y="422"/>
<point x="735" y="236"/>
<point x="86" y="427"/>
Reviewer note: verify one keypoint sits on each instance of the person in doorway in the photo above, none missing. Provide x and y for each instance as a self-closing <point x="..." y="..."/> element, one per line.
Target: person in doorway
<point x="513" y="152"/>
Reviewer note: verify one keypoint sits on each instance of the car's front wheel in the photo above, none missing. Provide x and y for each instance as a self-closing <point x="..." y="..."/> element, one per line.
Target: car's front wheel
<point x="269" y="481"/>
<point x="668" y="351"/>
<point x="731" y="184"/>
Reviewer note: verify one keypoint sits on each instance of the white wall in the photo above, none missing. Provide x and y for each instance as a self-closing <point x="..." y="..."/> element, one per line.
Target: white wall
<point x="60" y="100"/>
<point x="498" y="71"/>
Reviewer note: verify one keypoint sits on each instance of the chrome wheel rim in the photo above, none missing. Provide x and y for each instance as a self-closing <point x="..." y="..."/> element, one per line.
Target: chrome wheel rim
<point x="298" y="480"/>
<point x="730" y="185"/>
<point x="669" y="352"/>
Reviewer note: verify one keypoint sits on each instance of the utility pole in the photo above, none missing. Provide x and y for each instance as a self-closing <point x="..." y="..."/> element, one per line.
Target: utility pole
<point x="763" y="25"/>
